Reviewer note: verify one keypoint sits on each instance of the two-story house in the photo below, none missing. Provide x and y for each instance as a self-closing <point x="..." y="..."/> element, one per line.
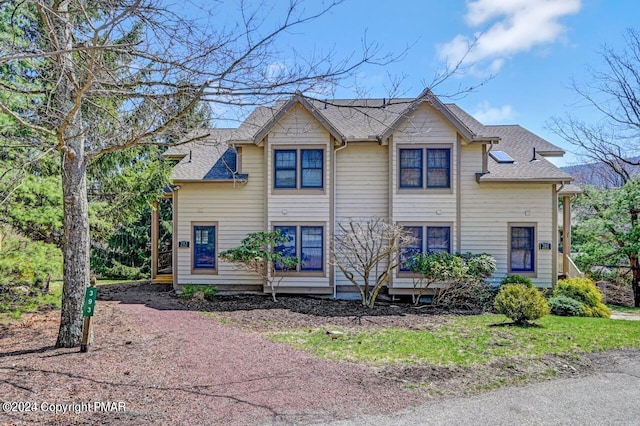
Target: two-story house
<point x="303" y="166"/>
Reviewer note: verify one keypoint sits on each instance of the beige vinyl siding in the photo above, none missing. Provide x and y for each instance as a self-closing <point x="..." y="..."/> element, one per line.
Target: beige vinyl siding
<point x="238" y="209"/>
<point x="427" y="128"/>
<point x="298" y="129"/>
<point x="362" y="186"/>
<point x="487" y="210"/>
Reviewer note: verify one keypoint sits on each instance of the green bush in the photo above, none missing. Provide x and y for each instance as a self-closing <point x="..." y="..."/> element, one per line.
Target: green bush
<point x="520" y="303"/>
<point x="517" y="279"/>
<point x="28" y="263"/>
<point x="565" y="306"/>
<point x="464" y="277"/>
<point x="118" y="271"/>
<point x="25" y="270"/>
<point x="189" y="290"/>
<point x="585" y="292"/>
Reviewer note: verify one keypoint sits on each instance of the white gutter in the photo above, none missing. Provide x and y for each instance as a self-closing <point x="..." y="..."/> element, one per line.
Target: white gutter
<point x="335" y="218"/>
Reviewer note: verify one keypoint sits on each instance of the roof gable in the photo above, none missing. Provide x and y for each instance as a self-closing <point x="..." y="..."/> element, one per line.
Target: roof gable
<point x="428" y="97"/>
<point x="288" y="106"/>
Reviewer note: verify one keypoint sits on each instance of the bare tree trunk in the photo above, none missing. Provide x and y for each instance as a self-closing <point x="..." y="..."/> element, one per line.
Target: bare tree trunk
<point x="75" y="250"/>
<point x="75" y="244"/>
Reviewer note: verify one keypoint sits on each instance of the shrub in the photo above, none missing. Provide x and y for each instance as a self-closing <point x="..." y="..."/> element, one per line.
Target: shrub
<point x="28" y="263"/>
<point x="462" y="275"/>
<point x="565" y="306"/>
<point x="585" y="292"/>
<point x="521" y="303"/>
<point x="26" y="268"/>
<point x="599" y="311"/>
<point x="517" y="279"/>
<point x="479" y="266"/>
<point x="118" y="271"/>
<point x="189" y="290"/>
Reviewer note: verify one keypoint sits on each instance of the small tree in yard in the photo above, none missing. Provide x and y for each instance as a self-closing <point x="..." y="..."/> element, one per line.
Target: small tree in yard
<point x="258" y="253"/>
<point x="610" y="222"/>
<point x="367" y="252"/>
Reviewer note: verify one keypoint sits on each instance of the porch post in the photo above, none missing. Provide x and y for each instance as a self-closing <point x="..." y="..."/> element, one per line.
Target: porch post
<point x="566" y="234"/>
<point x="155" y="231"/>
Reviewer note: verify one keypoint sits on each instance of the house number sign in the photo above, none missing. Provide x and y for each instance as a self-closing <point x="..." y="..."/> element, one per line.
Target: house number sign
<point x="89" y="301"/>
<point x="544" y="246"/>
<point x="183" y="244"/>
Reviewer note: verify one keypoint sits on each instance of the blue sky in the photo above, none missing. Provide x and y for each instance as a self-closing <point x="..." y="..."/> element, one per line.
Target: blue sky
<point x="534" y="48"/>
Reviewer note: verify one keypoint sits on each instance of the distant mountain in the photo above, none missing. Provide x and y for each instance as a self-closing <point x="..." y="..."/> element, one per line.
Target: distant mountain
<point x="599" y="174"/>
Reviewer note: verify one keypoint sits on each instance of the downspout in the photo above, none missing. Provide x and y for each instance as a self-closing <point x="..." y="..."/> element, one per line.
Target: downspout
<point x="335" y="209"/>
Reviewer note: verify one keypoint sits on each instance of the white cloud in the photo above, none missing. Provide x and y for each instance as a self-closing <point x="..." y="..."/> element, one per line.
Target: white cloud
<point x="486" y="114"/>
<point x="508" y="27"/>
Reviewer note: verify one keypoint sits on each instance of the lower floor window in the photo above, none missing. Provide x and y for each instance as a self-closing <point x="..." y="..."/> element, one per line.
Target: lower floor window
<point x="522" y="245"/>
<point x="427" y="238"/>
<point x="305" y="242"/>
<point x="204" y="247"/>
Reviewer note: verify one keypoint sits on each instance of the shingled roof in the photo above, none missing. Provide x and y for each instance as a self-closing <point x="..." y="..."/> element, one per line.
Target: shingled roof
<point x="519" y="144"/>
<point x="207" y="154"/>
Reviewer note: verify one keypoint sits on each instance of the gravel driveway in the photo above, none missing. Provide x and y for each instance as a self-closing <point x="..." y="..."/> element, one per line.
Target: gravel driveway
<point x="180" y="367"/>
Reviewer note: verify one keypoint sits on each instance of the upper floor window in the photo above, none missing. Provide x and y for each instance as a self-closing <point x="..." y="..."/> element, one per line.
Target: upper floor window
<point x="286" y="175"/>
<point x="304" y="242"/>
<point x="426" y="239"/>
<point x="522" y="249"/>
<point x="298" y="169"/>
<point x="425" y="167"/>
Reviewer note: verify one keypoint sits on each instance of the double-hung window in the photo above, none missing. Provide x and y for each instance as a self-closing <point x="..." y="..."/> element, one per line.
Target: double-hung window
<point x="306" y="242"/>
<point x="427" y="238"/>
<point x="421" y="168"/>
<point x="285" y="175"/>
<point x="298" y="169"/>
<point x="522" y="249"/>
<point x="204" y="248"/>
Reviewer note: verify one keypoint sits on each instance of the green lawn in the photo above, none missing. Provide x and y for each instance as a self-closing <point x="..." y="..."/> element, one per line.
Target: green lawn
<point x="468" y="340"/>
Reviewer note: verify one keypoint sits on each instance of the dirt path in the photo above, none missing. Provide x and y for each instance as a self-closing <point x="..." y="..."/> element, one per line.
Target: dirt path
<point x="180" y="367"/>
